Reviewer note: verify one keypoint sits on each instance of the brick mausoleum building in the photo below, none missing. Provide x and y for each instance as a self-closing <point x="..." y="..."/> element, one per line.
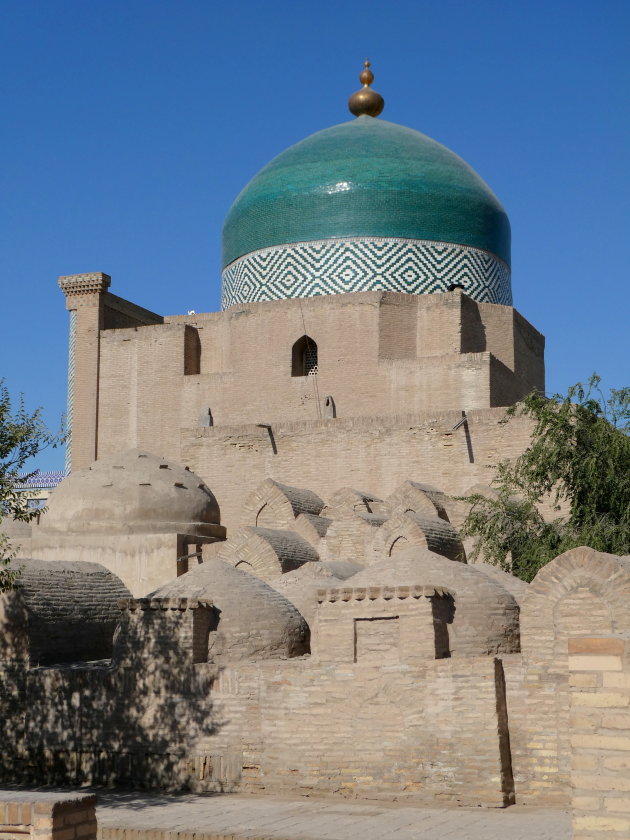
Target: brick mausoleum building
<point x="298" y="613"/>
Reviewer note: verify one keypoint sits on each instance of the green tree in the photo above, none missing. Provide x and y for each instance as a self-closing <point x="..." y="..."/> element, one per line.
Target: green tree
<point x="580" y="456"/>
<point x="22" y="436"/>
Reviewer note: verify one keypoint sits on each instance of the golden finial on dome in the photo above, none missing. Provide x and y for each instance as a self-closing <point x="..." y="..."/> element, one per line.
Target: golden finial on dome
<point x="366" y="102"/>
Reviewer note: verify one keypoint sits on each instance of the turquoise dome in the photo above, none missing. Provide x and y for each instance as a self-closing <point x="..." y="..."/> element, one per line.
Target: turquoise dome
<point x="366" y="178"/>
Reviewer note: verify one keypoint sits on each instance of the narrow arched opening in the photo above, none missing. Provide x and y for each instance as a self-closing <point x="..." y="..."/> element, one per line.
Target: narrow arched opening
<point x="304" y="359"/>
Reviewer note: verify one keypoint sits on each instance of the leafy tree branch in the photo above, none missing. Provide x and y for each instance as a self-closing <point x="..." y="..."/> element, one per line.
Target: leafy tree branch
<point x="22" y="436"/>
<point x="579" y="456"/>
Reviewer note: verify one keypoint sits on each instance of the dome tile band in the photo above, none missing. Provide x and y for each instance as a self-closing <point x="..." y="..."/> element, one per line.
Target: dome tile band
<point x="338" y="266"/>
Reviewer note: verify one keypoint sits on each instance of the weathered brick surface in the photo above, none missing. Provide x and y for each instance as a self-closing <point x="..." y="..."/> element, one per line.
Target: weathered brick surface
<point x="59" y="612"/>
<point x="398" y="729"/>
<point x="600" y="746"/>
<point x="580" y="591"/>
<point x="34" y="815"/>
<point x="254" y="621"/>
<point x="159" y="717"/>
<point x="96" y="310"/>
<point x="267" y="552"/>
<point x="374" y="453"/>
<point x="409" y="528"/>
<point x="141" y="382"/>
<point x="162" y="715"/>
<point x="485" y="616"/>
<point x="275" y="505"/>
<point x="381" y="624"/>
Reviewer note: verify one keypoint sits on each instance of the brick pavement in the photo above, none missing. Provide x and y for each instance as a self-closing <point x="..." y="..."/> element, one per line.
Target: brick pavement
<point x="131" y="816"/>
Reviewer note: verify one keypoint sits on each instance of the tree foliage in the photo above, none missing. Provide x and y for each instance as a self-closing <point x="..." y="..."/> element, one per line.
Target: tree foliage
<point x="579" y="458"/>
<point x="22" y="436"/>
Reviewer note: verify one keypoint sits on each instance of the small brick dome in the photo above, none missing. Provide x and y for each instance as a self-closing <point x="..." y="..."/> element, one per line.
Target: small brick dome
<point x="486" y="617"/>
<point x="255" y="621"/>
<point x="68" y="611"/>
<point x="132" y="492"/>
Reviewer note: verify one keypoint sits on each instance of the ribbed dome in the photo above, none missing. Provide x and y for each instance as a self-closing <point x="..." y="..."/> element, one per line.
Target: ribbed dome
<point x="366" y="178"/>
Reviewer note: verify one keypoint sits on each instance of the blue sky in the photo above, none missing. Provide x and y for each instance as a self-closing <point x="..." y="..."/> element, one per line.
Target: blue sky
<point x="131" y="125"/>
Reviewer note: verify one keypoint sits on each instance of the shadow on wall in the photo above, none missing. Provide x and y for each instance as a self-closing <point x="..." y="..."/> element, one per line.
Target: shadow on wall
<point x="134" y="721"/>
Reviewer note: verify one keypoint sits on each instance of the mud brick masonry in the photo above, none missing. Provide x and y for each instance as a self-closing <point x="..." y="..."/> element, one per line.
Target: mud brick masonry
<point x="27" y="815"/>
<point x="252" y="578"/>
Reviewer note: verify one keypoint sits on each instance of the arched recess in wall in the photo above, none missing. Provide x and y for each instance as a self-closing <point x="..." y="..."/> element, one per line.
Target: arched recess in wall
<point x="581" y="592"/>
<point x="264" y="517"/>
<point x="398" y="544"/>
<point x="304" y="358"/>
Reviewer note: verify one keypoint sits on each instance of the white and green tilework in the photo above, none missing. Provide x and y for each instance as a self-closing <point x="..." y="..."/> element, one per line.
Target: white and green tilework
<point x="338" y="266"/>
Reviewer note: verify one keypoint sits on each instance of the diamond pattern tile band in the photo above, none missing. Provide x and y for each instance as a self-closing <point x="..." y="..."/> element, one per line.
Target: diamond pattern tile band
<point x="336" y="266"/>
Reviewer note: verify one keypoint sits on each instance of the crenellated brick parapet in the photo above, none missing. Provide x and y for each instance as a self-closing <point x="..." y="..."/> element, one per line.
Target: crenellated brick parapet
<point x="374" y="593"/>
<point x="162" y="628"/>
<point x="95" y="282"/>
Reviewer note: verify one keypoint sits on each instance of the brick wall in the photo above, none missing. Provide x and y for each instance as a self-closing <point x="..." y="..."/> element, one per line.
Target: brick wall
<point x="30" y="815"/>
<point x="581" y="591"/>
<point x="379" y="354"/>
<point x="600" y="736"/>
<point x="373" y="454"/>
<point x="429" y="731"/>
<point x="159" y="718"/>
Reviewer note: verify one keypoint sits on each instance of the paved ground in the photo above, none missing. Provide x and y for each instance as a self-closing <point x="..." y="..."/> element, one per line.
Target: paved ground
<point x="274" y="818"/>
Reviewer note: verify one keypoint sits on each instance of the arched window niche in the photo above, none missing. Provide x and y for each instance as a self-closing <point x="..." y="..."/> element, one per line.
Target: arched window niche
<point x="304" y="357"/>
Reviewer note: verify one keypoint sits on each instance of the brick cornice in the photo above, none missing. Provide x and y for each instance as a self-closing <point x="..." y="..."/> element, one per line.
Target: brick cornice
<point x="387" y="593"/>
<point x="85" y="284"/>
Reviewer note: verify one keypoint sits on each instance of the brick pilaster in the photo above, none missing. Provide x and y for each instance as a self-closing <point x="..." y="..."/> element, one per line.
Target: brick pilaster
<point x="85" y="297"/>
<point x="599" y="674"/>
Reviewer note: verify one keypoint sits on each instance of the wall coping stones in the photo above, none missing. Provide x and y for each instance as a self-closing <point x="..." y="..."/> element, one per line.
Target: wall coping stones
<point x="387" y="593"/>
